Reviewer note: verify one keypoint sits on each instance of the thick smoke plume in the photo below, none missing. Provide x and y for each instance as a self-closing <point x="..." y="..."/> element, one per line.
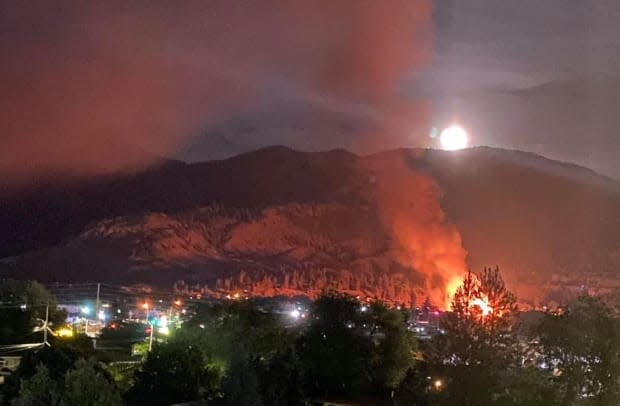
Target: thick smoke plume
<point x="409" y="206"/>
<point x="92" y="87"/>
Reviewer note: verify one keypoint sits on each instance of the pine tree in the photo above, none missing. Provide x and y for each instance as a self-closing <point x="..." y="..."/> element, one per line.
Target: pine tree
<point x="477" y="349"/>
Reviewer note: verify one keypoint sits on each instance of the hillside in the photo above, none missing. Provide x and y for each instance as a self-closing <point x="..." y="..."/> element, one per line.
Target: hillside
<point x="397" y="225"/>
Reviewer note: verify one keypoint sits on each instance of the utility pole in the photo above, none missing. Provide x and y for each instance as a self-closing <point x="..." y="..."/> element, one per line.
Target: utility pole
<point x="47" y="315"/>
<point x="151" y="337"/>
<point x="148" y="322"/>
<point x="97" y="314"/>
<point x="97" y="303"/>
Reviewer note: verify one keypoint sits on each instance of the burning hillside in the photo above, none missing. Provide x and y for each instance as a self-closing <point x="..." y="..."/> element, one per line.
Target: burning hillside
<point x="391" y="242"/>
<point x="399" y="226"/>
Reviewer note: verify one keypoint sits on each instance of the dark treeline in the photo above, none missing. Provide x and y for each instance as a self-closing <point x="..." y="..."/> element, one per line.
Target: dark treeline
<point x="235" y="354"/>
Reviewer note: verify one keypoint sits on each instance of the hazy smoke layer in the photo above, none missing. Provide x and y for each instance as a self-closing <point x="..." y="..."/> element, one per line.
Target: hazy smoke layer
<point x="409" y="206"/>
<point x="93" y="86"/>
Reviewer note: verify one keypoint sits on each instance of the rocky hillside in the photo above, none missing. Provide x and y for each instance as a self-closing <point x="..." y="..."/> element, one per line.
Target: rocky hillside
<point x="398" y="225"/>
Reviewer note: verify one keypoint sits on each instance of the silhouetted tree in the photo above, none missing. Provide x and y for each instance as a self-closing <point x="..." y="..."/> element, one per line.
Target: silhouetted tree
<point x="87" y="385"/>
<point x="583" y="345"/>
<point x="222" y="331"/>
<point x="279" y="379"/>
<point x="241" y="386"/>
<point x="334" y="353"/>
<point x="172" y="373"/>
<point x="56" y="360"/>
<point x="39" y="389"/>
<point x="477" y="349"/>
<point x="416" y="388"/>
<point x="528" y="386"/>
<point x="347" y="352"/>
<point x="394" y="346"/>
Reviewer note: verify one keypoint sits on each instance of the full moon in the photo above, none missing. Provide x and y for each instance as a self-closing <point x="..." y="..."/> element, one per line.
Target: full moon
<point x="454" y="138"/>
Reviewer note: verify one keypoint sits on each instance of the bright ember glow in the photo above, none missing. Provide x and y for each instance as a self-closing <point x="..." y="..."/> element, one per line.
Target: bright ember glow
<point x="454" y="138"/>
<point x="483" y="305"/>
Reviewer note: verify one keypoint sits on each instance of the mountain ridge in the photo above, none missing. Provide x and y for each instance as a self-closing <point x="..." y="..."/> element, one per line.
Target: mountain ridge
<point x="418" y="218"/>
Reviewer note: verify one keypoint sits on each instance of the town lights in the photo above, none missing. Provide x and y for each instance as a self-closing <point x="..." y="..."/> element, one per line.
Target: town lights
<point x="295" y="314"/>
<point x="438" y="384"/>
<point x="64" y="332"/>
<point x="145" y="306"/>
<point x="85" y="310"/>
<point x="163" y="325"/>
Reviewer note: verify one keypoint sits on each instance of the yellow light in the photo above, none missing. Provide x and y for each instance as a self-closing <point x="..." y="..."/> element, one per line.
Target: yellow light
<point x="454" y="138"/>
<point x="438" y="384"/>
<point x="64" y="332"/>
<point x="145" y="305"/>
<point x="177" y="302"/>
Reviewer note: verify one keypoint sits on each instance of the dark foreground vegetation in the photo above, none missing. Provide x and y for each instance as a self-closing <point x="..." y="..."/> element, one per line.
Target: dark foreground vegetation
<point x="487" y="353"/>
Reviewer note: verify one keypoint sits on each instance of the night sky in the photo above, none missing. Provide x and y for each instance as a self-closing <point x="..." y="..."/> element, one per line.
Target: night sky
<point x="93" y="87"/>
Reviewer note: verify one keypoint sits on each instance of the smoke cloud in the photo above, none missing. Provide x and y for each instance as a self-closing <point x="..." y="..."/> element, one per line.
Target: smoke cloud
<point x="94" y="87"/>
<point x="409" y="206"/>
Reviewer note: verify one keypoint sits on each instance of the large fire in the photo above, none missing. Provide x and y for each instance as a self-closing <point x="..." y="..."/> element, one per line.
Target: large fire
<point x="422" y="239"/>
<point x="451" y="287"/>
<point x="483" y="305"/>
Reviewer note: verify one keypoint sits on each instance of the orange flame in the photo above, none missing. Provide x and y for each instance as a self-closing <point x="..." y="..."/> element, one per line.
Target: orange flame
<point x="451" y="287"/>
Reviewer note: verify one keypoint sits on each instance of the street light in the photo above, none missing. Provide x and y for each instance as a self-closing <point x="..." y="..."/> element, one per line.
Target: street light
<point x="145" y="306"/>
